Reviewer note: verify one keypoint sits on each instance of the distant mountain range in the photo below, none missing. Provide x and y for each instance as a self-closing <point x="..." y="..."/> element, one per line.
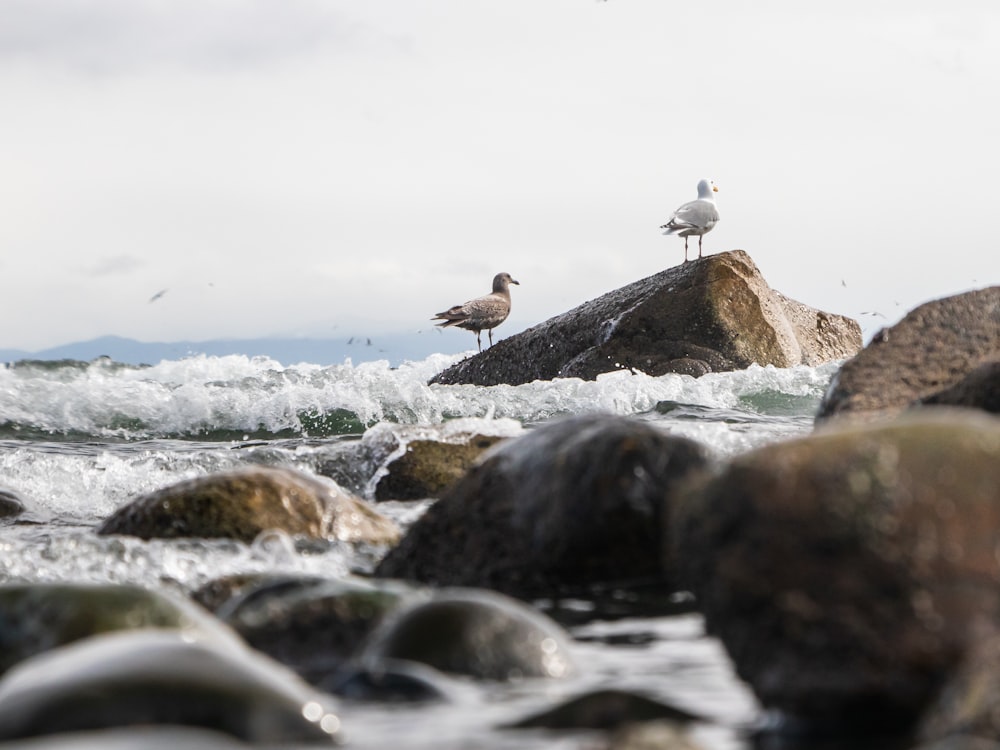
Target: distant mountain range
<point x="395" y="348"/>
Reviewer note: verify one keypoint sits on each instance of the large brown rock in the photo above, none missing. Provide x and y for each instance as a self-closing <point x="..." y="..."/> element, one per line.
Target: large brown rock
<point x="241" y="504"/>
<point x="933" y="348"/>
<point x="713" y="314"/>
<point x="848" y="571"/>
<point x="573" y="504"/>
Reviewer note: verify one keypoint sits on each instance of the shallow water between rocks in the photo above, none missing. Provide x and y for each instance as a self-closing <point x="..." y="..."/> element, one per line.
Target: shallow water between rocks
<point x="78" y="440"/>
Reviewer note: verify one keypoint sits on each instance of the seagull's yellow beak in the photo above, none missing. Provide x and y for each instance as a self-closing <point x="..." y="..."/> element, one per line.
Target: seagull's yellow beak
<point x="715" y="188"/>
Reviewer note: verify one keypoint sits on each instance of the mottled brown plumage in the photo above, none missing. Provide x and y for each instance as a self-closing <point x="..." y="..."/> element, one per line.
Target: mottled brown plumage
<point x="482" y="313"/>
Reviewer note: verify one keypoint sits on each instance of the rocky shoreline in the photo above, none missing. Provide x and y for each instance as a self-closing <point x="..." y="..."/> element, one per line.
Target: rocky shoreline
<point x="852" y="574"/>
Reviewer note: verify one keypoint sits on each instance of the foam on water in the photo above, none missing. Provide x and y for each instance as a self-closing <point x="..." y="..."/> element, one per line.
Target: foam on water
<point x="235" y="397"/>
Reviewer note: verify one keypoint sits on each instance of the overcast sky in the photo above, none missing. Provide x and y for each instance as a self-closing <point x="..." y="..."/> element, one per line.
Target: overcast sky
<point x="324" y="167"/>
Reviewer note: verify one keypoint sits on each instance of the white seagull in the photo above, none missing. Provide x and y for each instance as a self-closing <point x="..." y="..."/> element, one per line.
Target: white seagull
<point x="695" y="217"/>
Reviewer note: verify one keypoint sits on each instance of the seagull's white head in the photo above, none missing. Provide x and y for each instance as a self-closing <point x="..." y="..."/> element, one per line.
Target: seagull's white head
<point x="705" y="190"/>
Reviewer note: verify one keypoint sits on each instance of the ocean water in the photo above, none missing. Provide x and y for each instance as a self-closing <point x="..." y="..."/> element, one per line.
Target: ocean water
<point x="79" y="439"/>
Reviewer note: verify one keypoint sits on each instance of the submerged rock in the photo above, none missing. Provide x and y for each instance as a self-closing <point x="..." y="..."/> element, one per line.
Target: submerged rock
<point x="604" y="709"/>
<point x="37" y="617"/>
<point x="575" y="503"/>
<point x="933" y="348"/>
<point x="713" y="314"/>
<point x="243" y="503"/>
<point x="161" y="677"/>
<point x="847" y="572"/>
<point x="390" y="681"/>
<point x="311" y="625"/>
<point x="474" y="633"/>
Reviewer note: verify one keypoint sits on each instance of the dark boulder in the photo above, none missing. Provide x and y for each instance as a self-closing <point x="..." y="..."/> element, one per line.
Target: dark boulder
<point x="713" y="314"/>
<point x="932" y="349"/>
<point x="574" y="503"/>
<point x="474" y="633"/>
<point x="847" y="572"/>
<point x="243" y="503"/>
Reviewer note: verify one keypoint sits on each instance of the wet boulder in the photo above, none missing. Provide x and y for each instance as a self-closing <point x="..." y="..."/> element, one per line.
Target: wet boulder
<point x="311" y="625"/>
<point x="424" y="468"/>
<point x="37" y="617"/>
<point x="931" y="350"/>
<point x="713" y="314"/>
<point x="573" y="504"/>
<point x="847" y="572"/>
<point x="144" y="678"/>
<point x="243" y="503"/>
<point x="475" y="633"/>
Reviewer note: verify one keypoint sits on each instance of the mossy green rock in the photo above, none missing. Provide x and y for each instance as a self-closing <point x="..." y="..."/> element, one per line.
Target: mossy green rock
<point x="37" y="617"/>
<point x="427" y="467"/>
<point x="848" y="571"/>
<point x="241" y="504"/>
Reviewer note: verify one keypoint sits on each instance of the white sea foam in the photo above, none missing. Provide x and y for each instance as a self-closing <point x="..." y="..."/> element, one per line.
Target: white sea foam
<point x="234" y="396"/>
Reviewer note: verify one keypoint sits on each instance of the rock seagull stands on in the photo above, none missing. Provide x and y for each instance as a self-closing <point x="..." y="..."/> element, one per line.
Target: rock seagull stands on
<point x="695" y="217"/>
<point x="482" y="313"/>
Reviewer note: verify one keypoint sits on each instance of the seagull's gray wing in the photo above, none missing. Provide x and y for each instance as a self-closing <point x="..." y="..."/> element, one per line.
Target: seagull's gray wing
<point x="695" y="215"/>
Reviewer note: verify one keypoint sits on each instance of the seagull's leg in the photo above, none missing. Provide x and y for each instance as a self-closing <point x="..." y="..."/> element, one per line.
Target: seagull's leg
<point x="489" y="332"/>
<point x="479" y="342"/>
<point x="685" y="249"/>
<point x="700" y="236"/>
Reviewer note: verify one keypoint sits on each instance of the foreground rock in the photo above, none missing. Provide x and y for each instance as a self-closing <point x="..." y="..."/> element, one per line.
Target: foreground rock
<point x="713" y="314"/>
<point x="38" y="617"/>
<point x="473" y="633"/>
<point x="243" y="503"/>
<point x="848" y="572"/>
<point x="162" y="677"/>
<point x="575" y="503"/>
<point x="930" y="350"/>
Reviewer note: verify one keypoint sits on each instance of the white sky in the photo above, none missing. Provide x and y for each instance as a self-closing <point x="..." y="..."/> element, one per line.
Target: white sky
<point x="305" y="167"/>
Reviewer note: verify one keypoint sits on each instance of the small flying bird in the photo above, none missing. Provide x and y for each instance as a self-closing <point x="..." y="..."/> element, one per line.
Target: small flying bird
<point x="695" y="217"/>
<point x="157" y="295"/>
<point x="483" y="313"/>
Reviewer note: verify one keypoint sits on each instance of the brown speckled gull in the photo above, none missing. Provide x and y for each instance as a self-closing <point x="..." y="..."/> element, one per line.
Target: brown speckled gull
<point x="482" y="313"/>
